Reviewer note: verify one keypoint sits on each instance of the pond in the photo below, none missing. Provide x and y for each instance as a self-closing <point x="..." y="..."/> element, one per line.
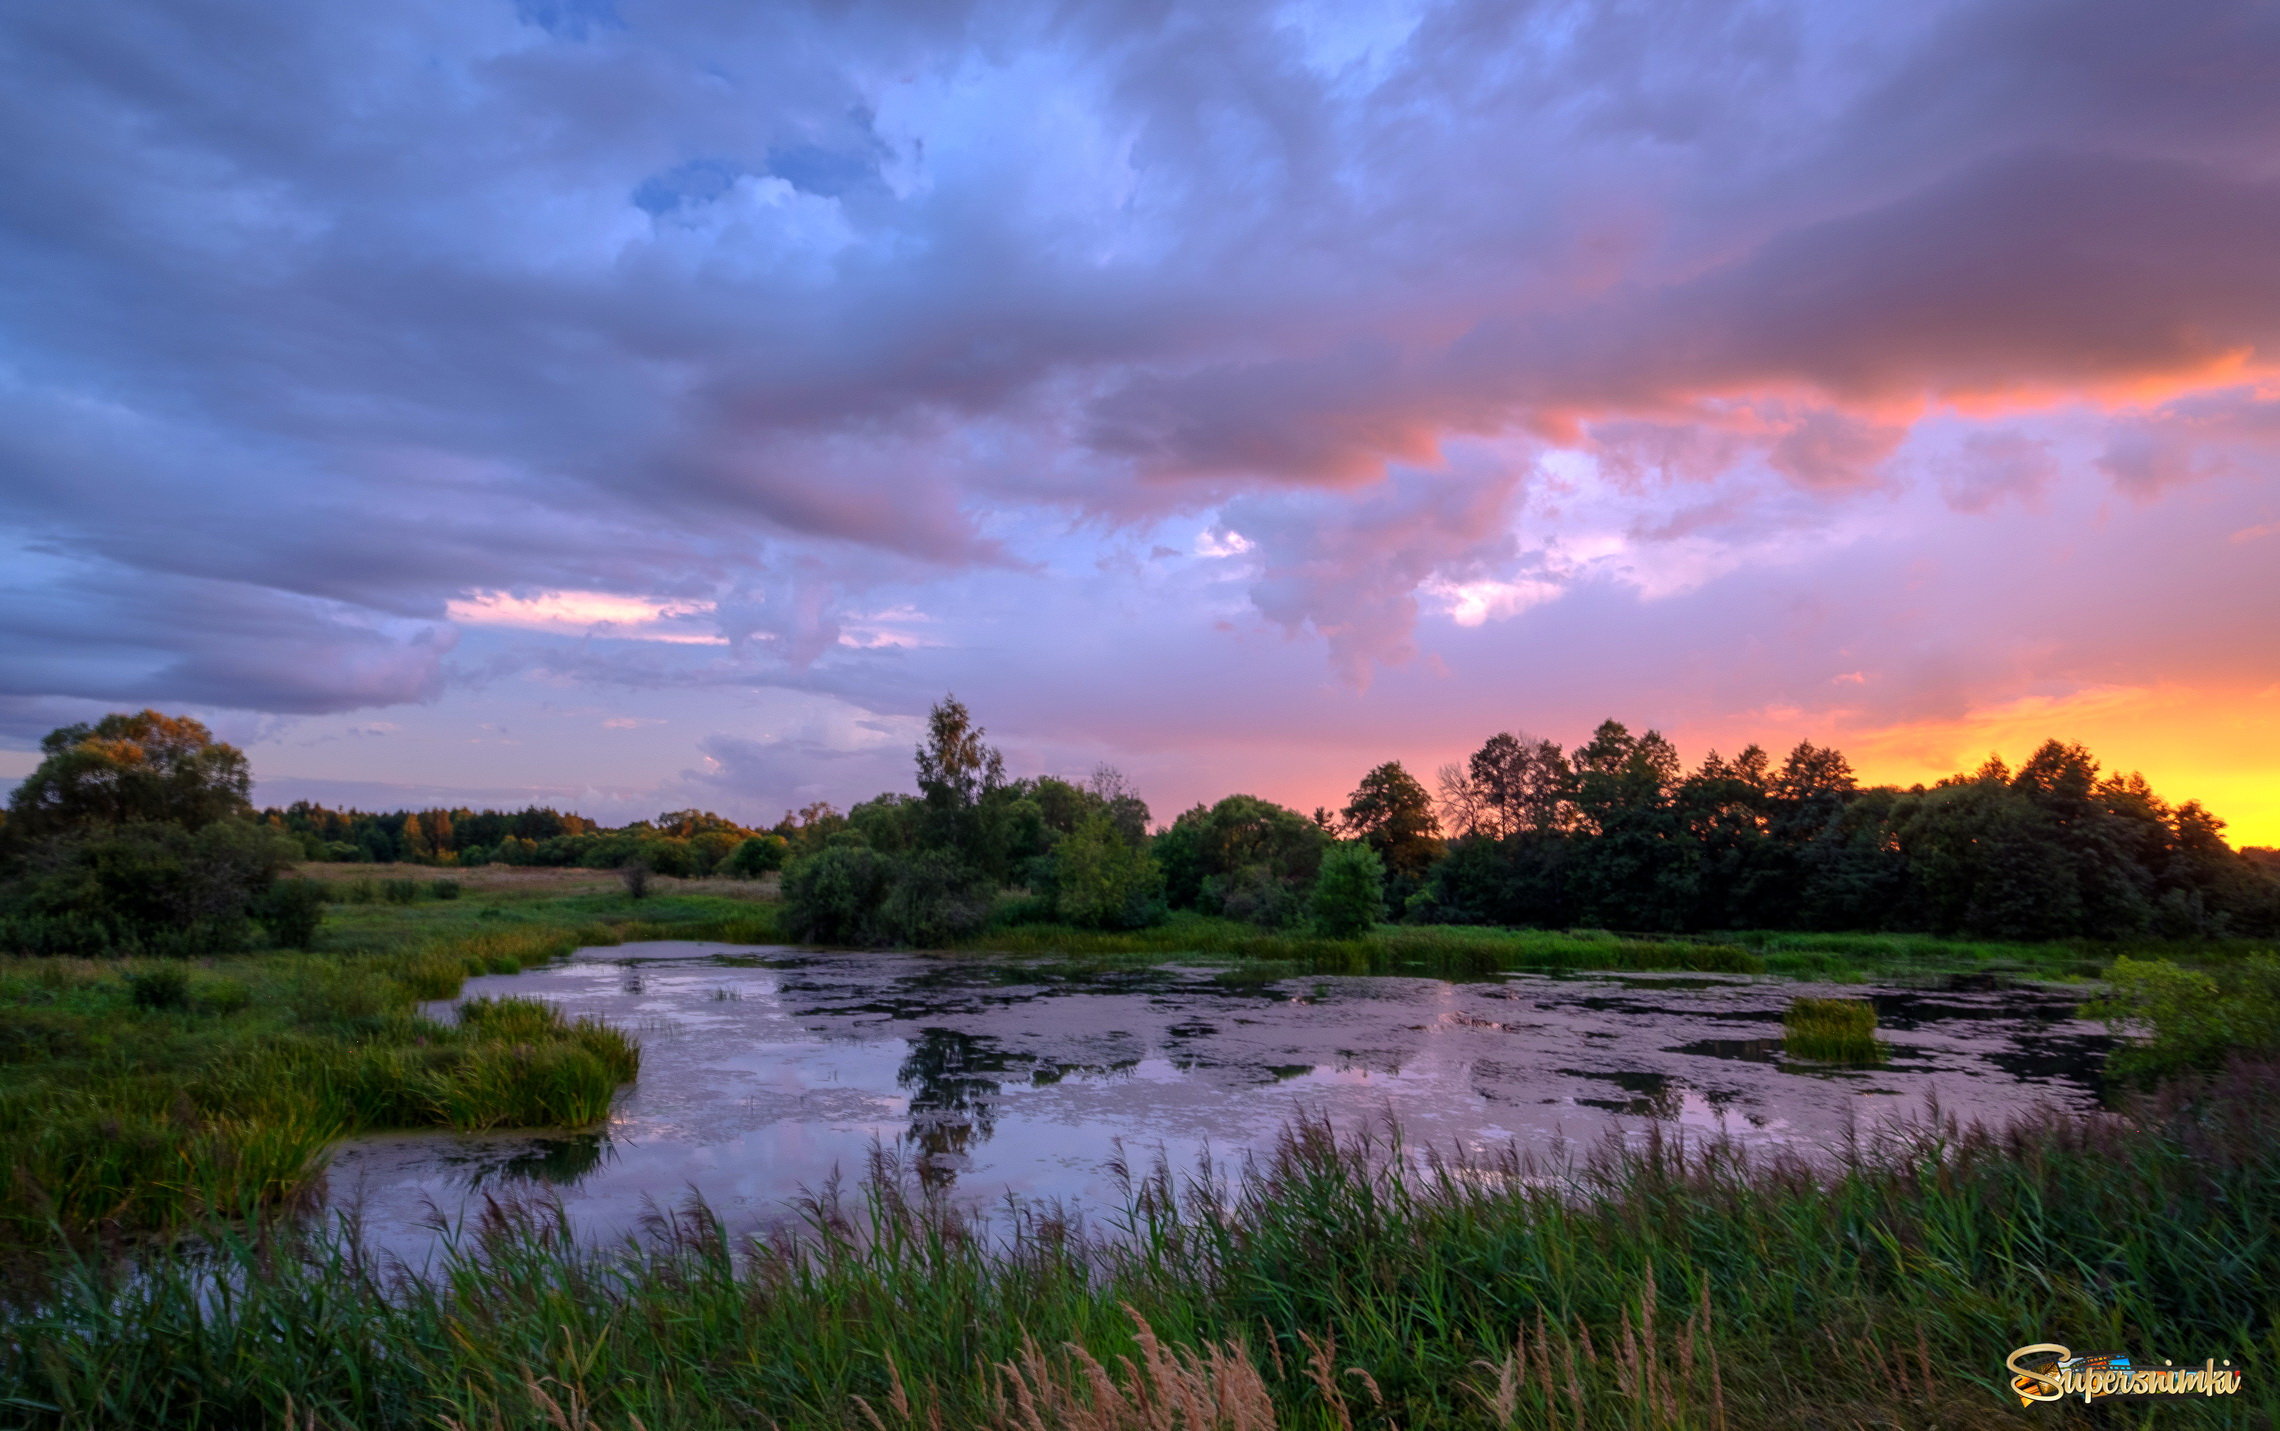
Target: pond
<point x="765" y="1072"/>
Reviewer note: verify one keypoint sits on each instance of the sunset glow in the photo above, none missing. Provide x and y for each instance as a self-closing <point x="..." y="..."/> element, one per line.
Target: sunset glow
<point x="640" y="407"/>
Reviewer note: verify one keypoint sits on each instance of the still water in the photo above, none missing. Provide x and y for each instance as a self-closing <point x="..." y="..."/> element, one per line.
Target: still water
<point x="766" y="1071"/>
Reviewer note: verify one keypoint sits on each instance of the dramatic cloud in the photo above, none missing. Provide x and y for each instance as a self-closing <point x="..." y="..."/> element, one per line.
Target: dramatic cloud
<point x="1355" y="372"/>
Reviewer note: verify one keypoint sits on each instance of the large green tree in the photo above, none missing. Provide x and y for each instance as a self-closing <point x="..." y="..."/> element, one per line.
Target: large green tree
<point x="126" y="768"/>
<point x="1244" y="857"/>
<point x="1391" y="813"/>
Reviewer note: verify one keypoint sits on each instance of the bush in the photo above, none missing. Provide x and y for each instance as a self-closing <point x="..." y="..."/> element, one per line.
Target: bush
<point x="1349" y="894"/>
<point x="1101" y="880"/>
<point x="762" y="854"/>
<point x="444" y="889"/>
<point x="402" y="891"/>
<point x="291" y="910"/>
<point x="634" y="875"/>
<point x="849" y="893"/>
<point x="932" y="898"/>
<point x="143" y="888"/>
<point x="159" y="989"/>
<point x="2189" y="1021"/>
<point x="830" y="896"/>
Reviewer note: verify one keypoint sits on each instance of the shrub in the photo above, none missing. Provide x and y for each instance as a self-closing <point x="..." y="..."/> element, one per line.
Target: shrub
<point x="932" y="898"/>
<point x="291" y="910"/>
<point x="1252" y="852"/>
<point x="402" y="891"/>
<point x="1349" y="894"/>
<point x="2189" y="1021"/>
<point x="1102" y="880"/>
<point x="444" y="889"/>
<point x="634" y="875"/>
<point x="144" y="888"/>
<point x="831" y="895"/>
<point x="1255" y="895"/>
<point x="164" y="988"/>
<point x="762" y="854"/>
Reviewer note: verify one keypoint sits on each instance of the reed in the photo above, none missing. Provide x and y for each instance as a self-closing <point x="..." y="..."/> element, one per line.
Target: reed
<point x="1831" y="1031"/>
<point x="1338" y="1283"/>
<point x="1448" y="950"/>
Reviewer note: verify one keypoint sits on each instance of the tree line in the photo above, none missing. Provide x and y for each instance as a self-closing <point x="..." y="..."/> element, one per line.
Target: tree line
<point x="1618" y="834"/>
<point x="137" y="833"/>
<point x="682" y="843"/>
<point x="1614" y="834"/>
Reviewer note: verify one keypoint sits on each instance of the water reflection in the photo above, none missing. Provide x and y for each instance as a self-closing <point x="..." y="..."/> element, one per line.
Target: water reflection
<point x="953" y="1098"/>
<point x="766" y="1072"/>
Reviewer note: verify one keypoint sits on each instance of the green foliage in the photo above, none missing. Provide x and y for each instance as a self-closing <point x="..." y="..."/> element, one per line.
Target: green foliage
<point x="291" y="910"/>
<point x="1244" y="857"/>
<point x="932" y="898"/>
<point x="833" y="895"/>
<point x="1618" y="835"/>
<point x="1103" y="879"/>
<point x="146" y="1093"/>
<point x="444" y="888"/>
<point x="401" y="891"/>
<point x="1349" y="894"/>
<point x="1393" y="814"/>
<point x="145" y="768"/>
<point x="1388" y="949"/>
<point x="162" y="988"/>
<point x="1831" y="1031"/>
<point x="2189" y="1020"/>
<point x="142" y="887"/>
<point x="759" y="855"/>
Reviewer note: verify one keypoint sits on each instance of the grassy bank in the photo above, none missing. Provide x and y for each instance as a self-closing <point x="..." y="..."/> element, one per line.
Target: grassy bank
<point x="1659" y="1287"/>
<point x="1468" y="950"/>
<point x="140" y="1094"/>
<point x="1447" y="950"/>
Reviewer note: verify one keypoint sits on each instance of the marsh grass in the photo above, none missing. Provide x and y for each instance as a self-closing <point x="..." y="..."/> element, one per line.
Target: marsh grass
<point x="1831" y="1031"/>
<point x="1449" y="950"/>
<point x="1339" y="1283"/>
<point x="137" y="1096"/>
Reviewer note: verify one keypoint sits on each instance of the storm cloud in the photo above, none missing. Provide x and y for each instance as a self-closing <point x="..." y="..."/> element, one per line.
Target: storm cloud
<point x="425" y="355"/>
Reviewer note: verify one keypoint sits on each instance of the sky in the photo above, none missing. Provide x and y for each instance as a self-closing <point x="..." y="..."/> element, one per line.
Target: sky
<point x="630" y="405"/>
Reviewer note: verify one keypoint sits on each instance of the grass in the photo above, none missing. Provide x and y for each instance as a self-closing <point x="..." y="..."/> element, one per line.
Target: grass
<point x="142" y="1095"/>
<point x="1337" y="1285"/>
<point x="1831" y="1031"/>
<point x="1449" y="950"/>
<point x="1460" y="951"/>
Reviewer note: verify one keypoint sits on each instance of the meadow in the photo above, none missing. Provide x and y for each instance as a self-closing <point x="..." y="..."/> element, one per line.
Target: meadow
<point x="143" y="1095"/>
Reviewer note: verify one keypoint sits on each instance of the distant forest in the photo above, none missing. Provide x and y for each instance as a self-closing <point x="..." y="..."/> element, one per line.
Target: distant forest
<point x="1615" y="834"/>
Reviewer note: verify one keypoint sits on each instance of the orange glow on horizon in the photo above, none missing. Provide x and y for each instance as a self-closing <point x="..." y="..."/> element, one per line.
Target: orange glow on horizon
<point x="2215" y="746"/>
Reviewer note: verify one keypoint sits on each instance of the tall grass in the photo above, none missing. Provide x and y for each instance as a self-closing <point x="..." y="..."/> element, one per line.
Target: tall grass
<point x="1831" y="1031"/>
<point x="127" y="1113"/>
<point x="1450" y="950"/>
<point x="1338" y="1284"/>
<point x="138" y="1095"/>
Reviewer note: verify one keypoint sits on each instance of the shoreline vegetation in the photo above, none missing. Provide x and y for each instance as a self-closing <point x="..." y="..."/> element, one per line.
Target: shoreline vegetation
<point x="1334" y="1285"/>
